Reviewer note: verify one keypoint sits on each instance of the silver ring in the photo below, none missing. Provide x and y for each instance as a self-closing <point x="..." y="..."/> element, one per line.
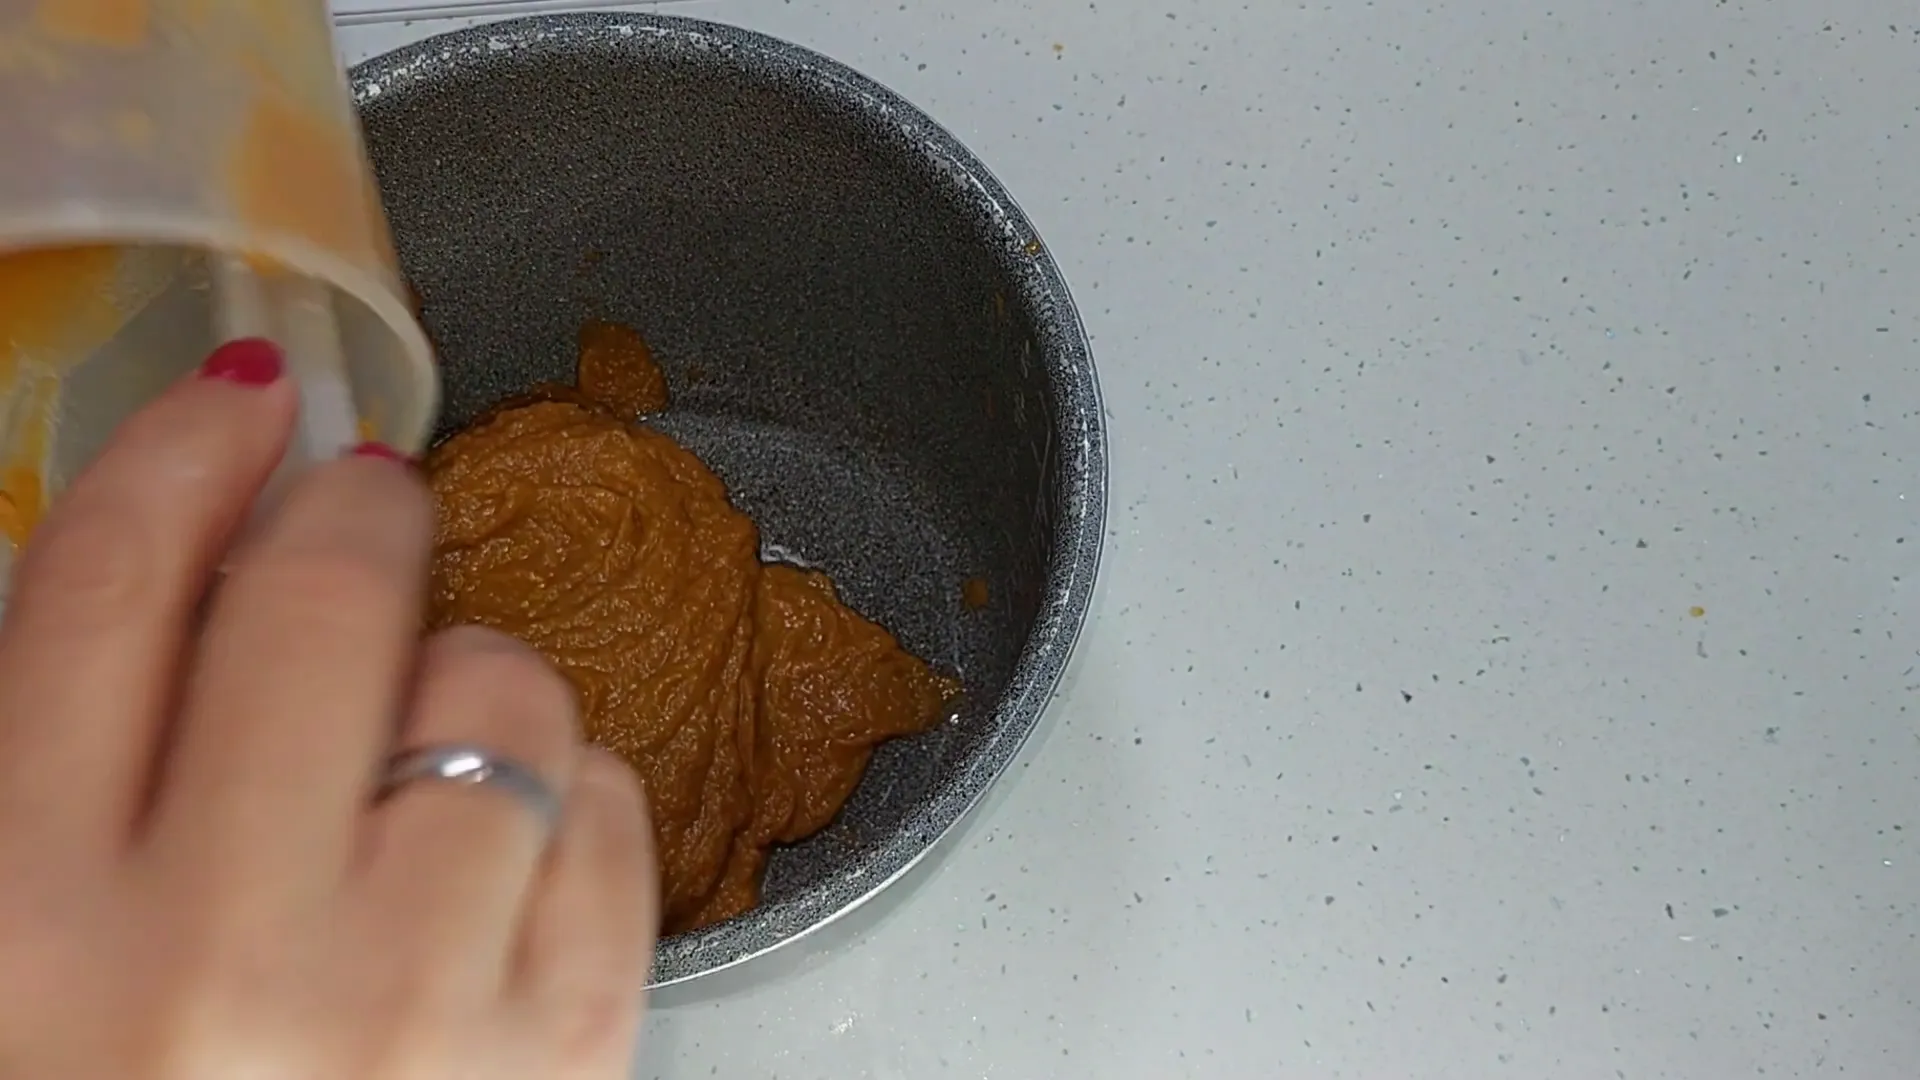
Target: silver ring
<point x="460" y="764"/>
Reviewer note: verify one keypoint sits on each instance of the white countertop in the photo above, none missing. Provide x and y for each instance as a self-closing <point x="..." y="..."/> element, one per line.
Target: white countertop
<point x="1506" y="662"/>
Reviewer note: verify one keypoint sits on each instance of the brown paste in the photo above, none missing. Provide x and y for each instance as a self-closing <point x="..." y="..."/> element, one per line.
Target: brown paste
<point x="746" y="695"/>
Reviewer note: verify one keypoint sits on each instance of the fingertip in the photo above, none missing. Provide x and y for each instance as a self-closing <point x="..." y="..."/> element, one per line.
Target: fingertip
<point x="594" y="919"/>
<point x="621" y="840"/>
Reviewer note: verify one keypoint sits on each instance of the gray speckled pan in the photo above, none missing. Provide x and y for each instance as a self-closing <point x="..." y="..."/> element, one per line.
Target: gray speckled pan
<point x="863" y="334"/>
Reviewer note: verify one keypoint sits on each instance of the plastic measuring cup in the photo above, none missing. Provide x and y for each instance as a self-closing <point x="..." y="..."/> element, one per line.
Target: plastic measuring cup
<point x="175" y="174"/>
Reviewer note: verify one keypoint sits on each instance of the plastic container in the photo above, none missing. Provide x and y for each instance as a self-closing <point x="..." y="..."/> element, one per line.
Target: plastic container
<point x="174" y="174"/>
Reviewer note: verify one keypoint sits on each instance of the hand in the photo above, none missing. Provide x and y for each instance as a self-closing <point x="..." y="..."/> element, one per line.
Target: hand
<point x="197" y="881"/>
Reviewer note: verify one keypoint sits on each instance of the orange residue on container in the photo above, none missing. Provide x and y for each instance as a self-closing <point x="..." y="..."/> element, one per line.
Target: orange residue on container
<point x="298" y="166"/>
<point x="49" y="298"/>
<point x="281" y="21"/>
<point x="27" y="54"/>
<point x="281" y="48"/>
<point x="133" y="129"/>
<point x="297" y="173"/>
<point x="107" y="24"/>
<point x="49" y="295"/>
<point x="126" y="130"/>
<point x="263" y="265"/>
<point x="20" y="503"/>
<point x="23" y="496"/>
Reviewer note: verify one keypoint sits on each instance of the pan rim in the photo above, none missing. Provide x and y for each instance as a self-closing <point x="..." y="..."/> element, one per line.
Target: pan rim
<point x="1079" y="473"/>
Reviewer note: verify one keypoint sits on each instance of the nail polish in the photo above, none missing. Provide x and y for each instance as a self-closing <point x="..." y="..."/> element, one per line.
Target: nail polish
<point x="380" y="450"/>
<point x="248" y="362"/>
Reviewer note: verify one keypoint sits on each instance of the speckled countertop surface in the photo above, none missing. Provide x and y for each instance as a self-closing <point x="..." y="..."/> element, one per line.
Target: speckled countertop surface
<point x="1506" y="660"/>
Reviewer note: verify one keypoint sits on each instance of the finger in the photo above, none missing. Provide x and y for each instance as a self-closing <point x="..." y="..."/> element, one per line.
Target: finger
<point x="586" y="946"/>
<point x="454" y="863"/>
<point x="304" y="663"/>
<point x="103" y="596"/>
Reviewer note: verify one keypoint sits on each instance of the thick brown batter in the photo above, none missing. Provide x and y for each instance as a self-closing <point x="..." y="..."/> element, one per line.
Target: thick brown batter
<point x="748" y="698"/>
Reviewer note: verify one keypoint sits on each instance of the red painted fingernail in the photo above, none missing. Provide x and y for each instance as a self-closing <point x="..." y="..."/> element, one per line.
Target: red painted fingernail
<point x="249" y="362"/>
<point x="379" y="450"/>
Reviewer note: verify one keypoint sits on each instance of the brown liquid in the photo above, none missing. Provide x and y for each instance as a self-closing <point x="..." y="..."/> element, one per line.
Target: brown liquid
<point x="746" y="696"/>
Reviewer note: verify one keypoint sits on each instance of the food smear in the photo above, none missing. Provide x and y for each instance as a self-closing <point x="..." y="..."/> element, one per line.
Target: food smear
<point x="617" y="370"/>
<point x="747" y="696"/>
<point x="975" y="593"/>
